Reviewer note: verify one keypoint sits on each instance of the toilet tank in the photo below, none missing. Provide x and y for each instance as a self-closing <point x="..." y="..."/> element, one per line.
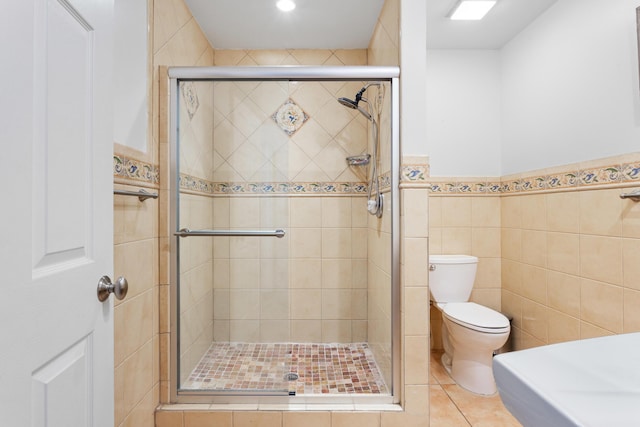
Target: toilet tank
<point x="451" y="277"/>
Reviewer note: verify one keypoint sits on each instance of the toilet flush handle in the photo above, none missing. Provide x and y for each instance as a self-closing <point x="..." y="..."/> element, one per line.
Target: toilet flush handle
<point x="432" y="267"/>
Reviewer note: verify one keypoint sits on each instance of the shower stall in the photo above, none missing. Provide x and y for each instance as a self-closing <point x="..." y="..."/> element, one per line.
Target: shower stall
<point x="284" y="229"/>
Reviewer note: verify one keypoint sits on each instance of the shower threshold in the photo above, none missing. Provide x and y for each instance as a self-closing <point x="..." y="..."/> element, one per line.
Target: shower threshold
<point x="296" y="368"/>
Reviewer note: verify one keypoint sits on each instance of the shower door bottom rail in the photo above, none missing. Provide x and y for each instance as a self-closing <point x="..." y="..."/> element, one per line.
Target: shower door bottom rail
<point x="185" y="232"/>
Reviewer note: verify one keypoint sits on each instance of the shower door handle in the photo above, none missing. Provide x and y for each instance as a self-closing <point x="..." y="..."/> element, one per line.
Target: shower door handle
<point x="185" y="232"/>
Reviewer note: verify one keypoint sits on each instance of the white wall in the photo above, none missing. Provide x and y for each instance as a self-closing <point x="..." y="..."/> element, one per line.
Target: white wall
<point x="570" y="86"/>
<point x="413" y="41"/>
<point x="564" y="90"/>
<point x="463" y="112"/>
<point x="130" y="115"/>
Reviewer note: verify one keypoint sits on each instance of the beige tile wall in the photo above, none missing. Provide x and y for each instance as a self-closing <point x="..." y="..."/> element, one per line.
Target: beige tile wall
<point x="569" y="265"/>
<point x="196" y="282"/>
<point x="307" y="287"/>
<point x="385" y="40"/>
<point x="560" y="261"/>
<point x="196" y="130"/>
<point x="250" y="58"/>
<point x="248" y="145"/>
<point x="136" y="351"/>
<point x="468" y="225"/>
<point x="379" y="288"/>
<point x="379" y="239"/>
<point x="175" y="40"/>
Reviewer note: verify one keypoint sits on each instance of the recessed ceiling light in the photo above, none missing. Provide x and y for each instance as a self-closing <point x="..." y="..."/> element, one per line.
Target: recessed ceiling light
<point x="471" y="10"/>
<point x="286" y="5"/>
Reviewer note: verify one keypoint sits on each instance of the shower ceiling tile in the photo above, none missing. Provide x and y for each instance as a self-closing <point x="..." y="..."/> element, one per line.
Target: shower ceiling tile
<point x="290" y="117"/>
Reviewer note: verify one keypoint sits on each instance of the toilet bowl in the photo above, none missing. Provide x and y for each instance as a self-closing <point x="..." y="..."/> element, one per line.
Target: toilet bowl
<point x="470" y="332"/>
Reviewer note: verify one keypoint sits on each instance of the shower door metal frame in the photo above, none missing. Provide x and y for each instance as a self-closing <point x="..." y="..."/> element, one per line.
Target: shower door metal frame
<point x="293" y="73"/>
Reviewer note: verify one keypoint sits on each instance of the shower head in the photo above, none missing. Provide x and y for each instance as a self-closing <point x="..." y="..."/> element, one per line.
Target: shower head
<point x="349" y="103"/>
<point x="354" y="104"/>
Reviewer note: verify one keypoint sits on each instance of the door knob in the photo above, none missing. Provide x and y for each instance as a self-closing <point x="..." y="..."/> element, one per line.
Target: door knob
<point x="105" y="287"/>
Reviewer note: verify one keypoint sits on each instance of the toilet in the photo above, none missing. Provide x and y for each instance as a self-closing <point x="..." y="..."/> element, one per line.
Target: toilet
<point x="470" y="332"/>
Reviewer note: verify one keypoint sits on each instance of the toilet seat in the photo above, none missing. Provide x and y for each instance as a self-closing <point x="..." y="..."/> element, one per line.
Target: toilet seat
<point x="476" y="317"/>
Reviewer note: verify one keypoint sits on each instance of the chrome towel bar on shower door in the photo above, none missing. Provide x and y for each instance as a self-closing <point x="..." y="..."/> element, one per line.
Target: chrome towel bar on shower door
<point x="185" y="232"/>
<point x="141" y="195"/>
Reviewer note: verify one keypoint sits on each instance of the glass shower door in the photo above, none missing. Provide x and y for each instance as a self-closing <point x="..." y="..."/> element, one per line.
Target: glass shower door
<point x="220" y="238"/>
<point x="284" y="280"/>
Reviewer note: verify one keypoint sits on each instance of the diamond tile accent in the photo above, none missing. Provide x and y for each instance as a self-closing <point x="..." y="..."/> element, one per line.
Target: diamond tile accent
<point x="190" y="97"/>
<point x="290" y="117"/>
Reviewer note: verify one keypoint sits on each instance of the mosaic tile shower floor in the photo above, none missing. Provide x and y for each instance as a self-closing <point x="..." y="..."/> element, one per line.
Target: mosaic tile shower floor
<point x="321" y="368"/>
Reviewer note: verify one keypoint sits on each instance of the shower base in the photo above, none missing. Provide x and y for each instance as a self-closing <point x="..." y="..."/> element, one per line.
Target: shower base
<point x="320" y="369"/>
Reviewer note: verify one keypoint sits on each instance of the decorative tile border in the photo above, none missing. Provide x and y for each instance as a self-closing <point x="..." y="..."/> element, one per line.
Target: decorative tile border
<point x="128" y="168"/>
<point x="414" y="173"/>
<point x="194" y="184"/>
<point x="624" y="173"/>
<point x="478" y="187"/>
<point x="410" y="173"/>
<point x="609" y="175"/>
<point x="385" y="181"/>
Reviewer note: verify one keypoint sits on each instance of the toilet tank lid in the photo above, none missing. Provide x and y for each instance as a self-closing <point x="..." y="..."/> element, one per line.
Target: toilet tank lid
<point x="452" y="259"/>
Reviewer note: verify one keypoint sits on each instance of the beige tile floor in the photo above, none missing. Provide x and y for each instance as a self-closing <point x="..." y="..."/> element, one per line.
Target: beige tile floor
<point x="452" y="406"/>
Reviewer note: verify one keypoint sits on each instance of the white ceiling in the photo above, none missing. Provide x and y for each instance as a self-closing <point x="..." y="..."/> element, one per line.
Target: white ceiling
<point x="349" y="24"/>
<point x="502" y="23"/>
<point x="313" y="24"/>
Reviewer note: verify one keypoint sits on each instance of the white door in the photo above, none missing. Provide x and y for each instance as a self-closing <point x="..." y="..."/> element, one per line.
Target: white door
<point x="56" y="226"/>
